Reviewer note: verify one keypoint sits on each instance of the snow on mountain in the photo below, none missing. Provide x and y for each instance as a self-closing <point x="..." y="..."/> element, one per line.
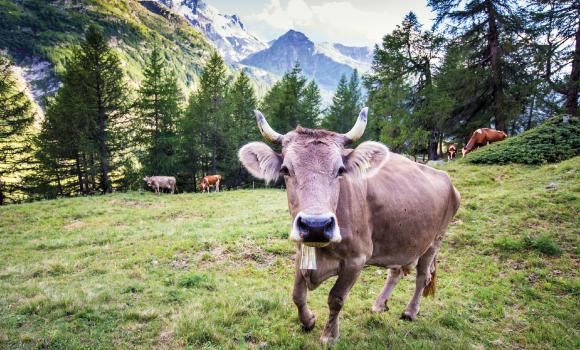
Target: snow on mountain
<point x="226" y="32"/>
<point x="355" y="57"/>
<point x="325" y="63"/>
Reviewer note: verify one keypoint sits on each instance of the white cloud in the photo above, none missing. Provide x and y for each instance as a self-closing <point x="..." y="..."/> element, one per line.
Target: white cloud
<point x="339" y="21"/>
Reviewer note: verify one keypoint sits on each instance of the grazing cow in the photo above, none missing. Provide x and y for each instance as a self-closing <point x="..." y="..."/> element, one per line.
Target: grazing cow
<point x="209" y="181"/>
<point x="362" y="206"/>
<point x="161" y="182"/>
<point x="451" y="152"/>
<point x="482" y="137"/>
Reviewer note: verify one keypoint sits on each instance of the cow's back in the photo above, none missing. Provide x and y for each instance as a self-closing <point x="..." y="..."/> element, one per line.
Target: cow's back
<point x="409" y="205"/>
<point x="164" y="181"/>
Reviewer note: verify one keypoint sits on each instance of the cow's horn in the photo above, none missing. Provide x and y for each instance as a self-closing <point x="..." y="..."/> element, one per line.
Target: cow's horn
<point x="267" y="131"/>
<point x="358" y="129"/>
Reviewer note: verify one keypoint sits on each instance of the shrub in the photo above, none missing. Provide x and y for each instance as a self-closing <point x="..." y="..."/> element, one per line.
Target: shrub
<point x="555" y="140"/>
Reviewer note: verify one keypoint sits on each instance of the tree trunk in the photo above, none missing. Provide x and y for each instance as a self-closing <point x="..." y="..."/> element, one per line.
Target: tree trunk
<point x="432" y="150"/>
<point x="531" y="113"/>
<point x="58" y="183"/>
<point x="79" y="174"/>
<point x="101" y="139"/>
<point x="1" y="193"/>
<point x="496" y="76"/>
<point x="574" y="84"/>
<point x="213" y="151"/>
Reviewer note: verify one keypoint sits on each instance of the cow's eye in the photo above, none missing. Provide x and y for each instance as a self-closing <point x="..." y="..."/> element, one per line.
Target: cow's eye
<point x="341" y="171"/>
<point x="284" y="171"/>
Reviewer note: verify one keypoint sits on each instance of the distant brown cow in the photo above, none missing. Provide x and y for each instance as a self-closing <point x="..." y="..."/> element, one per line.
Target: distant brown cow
<point x="209" y="181"/>
<point x="161" y="182"/>
<point x="482" y="137"/>
<point x="451" y="152"/>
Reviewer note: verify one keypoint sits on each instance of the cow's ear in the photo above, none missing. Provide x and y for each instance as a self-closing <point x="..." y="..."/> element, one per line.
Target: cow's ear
<point x="367" y="158"/>
<point x="261" y="161"/>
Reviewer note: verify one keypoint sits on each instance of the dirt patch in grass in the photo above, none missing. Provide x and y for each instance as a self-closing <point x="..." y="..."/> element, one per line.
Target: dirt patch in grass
<point x="74" y="225"/>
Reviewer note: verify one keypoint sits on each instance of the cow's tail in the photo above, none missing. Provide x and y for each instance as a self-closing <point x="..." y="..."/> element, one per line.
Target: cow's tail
<point x="432" y="286"/>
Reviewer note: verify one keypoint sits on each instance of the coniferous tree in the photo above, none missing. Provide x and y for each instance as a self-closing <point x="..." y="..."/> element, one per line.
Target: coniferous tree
<point x="240" y="128"/>
<point x="487" y="30"/>
<point x="556" y="29"/>
<point x="15" y="117"/>
<point x="106" y="101"/>
<point x="204" y="118"/>
<point x="159" y="108"/>
<point x="86" y="123"/>
<point x="293" y="101"/>
<point x="346" y="104"/>
<point x="405" y="62"/>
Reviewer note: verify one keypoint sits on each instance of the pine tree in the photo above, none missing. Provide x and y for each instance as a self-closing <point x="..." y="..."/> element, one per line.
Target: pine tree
<point x="15" y="117"/>
<point x="487" y="31"/>
<point x="86" y="125"/>
<point x="310" y="106"/>
<point x="293" y="101"/>
<point x="240" y="128"/>
<point x="346" y="104"/>
<point x="204" y="118"/>
<point x="159" y="108"/>
<point x="556" y="28"/>
<point x="106" y="101"/>
<point x="405" y="62"/>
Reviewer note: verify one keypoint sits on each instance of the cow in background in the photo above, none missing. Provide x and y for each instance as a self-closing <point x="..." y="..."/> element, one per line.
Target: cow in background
<point x="482" y="137"/>
<point x="210" y="181"/>
<point x="161" y="182"/>
<point x="451" y="152"/>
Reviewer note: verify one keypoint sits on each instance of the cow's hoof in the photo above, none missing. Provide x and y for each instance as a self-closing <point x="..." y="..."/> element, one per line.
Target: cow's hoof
<point x="380" y="308"/>
<point x="327" y="341"/>
<point x="310" y="324"/>
<point x="407" y="316"/>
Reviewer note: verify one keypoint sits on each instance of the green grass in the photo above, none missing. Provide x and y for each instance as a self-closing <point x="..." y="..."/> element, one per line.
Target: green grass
<point x="215" y="271"/>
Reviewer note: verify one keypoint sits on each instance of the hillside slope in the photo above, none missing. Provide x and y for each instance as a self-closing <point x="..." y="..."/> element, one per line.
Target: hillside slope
<point x="557" y="139"/>
<point x="39" y="35"/>
<point x="215" y="271"/>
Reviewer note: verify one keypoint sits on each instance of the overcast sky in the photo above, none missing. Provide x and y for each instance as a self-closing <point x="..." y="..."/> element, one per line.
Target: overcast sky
<point x="350" y="22"/>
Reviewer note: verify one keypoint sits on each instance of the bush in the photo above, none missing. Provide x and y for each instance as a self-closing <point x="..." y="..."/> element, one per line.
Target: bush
<point x="552" y="141"/>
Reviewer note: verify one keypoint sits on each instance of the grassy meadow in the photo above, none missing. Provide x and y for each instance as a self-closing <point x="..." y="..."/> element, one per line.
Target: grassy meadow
<point x="198" y="271"/>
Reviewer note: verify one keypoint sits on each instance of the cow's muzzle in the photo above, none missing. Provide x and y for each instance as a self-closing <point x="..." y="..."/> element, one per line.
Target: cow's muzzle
<point x="315" y="230"/>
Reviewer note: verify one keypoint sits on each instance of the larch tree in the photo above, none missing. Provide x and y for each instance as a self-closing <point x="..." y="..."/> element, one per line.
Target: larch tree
<point x="486" y="30"/>
<point x="16" y="116"/>
<point x="555" y="26"/>
<point x="159" y="108"/>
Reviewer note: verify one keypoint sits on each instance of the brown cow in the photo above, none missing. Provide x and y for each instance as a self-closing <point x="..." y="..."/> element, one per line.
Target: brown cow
<point x="210" y="181"/>
<point x="451" y="152"/>
<point x="482" y="137"/>
<point x="161" y="182"/>
<point x="358" y="207"/>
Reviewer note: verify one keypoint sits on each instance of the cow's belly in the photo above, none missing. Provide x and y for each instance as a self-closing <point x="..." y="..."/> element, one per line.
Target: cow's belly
<point x="409" y="209"/>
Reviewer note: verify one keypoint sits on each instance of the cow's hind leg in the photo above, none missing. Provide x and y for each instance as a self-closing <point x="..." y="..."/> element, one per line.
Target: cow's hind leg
<point x="380" y="304"/>
<point x="425" y="274"/>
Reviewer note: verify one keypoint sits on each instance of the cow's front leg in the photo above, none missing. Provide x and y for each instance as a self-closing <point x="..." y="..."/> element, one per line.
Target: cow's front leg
<point x="346" y="279"/>
<point x="299" y="296"/>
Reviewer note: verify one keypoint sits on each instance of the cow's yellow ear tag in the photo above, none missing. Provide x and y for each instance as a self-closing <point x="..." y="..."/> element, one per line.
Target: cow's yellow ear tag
<point x="307" y="257"/>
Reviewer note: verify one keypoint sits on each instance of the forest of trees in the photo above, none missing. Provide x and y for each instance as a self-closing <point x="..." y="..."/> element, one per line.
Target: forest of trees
<point x="485" y="63"/>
